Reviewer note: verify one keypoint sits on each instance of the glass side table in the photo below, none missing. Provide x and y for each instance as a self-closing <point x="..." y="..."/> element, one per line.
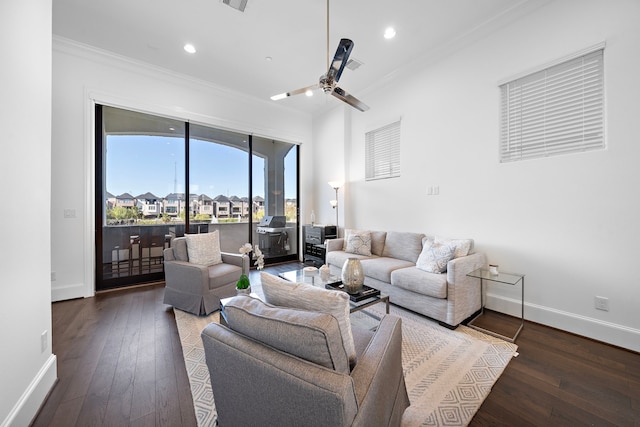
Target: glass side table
<point x="507" y="278"/>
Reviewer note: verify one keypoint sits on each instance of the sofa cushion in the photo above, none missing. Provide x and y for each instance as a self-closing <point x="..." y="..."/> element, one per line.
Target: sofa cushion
<point x="377" y="242"/>
<point x="223" y="274"/>
<point x="419" y="281"/>
<point x="380" y="268"/>
<point x="309" y="335"/>
<point x="462" y="247"/>
<point x="281" y="292"/>
<point x="403" y="245"/>
<point x="338" y="258"/>
<point x="434" y="257"/>
<point x="359" y="243"/>
<point x="204" y="249"/>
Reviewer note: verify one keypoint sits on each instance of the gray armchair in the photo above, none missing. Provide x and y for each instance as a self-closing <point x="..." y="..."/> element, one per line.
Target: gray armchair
<point x="198" y="288"/>
<point x="275" y="366"/>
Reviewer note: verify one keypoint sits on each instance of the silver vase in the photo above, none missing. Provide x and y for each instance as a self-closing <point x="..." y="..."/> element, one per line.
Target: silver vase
<point x="352" y="275"/>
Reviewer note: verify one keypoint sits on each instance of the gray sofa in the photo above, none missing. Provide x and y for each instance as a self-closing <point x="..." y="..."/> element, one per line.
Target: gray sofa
<point x="278" y="366"/>
<point x="448" y="297"/>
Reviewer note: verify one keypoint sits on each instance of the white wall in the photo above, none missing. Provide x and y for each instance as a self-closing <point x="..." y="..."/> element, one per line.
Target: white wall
<point x="27" y="371"/>
<point x="570" y="223"/>
<point x="81" y="76"/>
<point x="329" y="165"/>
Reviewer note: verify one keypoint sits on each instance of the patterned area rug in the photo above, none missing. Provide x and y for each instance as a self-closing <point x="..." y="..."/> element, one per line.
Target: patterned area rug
<point x="448" y="373"/>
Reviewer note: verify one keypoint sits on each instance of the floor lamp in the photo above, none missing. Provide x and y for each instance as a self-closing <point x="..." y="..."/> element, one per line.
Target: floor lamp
<point x="334" y="203"/>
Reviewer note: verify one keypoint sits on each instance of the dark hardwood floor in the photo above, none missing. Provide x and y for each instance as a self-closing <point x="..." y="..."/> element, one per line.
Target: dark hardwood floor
<point x="120" y="364"/>
<point x="561" y="379"/>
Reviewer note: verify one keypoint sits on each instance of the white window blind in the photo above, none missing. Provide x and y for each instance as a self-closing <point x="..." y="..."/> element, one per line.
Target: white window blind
<point x="554" y="111"/>
<point x="382" y="152"/>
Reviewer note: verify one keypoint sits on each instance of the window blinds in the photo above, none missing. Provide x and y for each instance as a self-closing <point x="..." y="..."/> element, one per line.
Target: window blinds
<point x="554" y="111"/>
<point x="382" y="152"/>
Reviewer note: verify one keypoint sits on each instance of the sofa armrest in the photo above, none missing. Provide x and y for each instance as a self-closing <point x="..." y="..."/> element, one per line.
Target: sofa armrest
<point x="186" y="276"/>
<point x="335" y="244"/>
<point x="235" y="259"/>
<point x="168" y="254"/>
<point x="463" y="292"/>
<point x="379" y="379"/>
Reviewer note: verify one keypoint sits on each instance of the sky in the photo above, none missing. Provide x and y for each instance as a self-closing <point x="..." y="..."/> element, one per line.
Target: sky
<point x="137" y="164"/>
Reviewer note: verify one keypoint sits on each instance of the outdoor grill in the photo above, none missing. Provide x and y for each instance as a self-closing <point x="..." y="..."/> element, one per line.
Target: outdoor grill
<point x="273" y="238"/>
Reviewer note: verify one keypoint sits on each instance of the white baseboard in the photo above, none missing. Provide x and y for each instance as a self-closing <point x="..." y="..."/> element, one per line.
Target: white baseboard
<point x="62" y="293"/>
<point x="611" y="333"/>
<point x="29" y="403"/>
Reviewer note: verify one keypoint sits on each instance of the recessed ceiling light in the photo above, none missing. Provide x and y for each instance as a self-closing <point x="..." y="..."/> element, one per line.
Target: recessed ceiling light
<point x="389" y="33"/>
<point x="268" y="58"/>
<point x="309" y="92"/>
<point x="189" y="48"/>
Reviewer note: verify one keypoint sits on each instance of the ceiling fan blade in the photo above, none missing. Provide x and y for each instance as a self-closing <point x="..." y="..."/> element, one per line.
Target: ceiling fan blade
<point x="340" y="59"/>
<point x="294" y="92"/>
<point x="349" y="99"/>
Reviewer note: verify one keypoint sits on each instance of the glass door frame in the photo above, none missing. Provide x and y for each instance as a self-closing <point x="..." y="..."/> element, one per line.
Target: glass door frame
<point x="102" y="284"/>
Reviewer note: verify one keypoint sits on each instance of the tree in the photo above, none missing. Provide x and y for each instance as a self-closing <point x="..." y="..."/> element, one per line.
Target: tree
<point x="121" y="213"/>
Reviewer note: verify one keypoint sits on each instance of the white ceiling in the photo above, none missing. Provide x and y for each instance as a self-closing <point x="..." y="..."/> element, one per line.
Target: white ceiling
<point x="232" y="46"/>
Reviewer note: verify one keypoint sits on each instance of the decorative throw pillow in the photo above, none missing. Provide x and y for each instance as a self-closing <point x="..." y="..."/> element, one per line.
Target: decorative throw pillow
<point x="204" y="249"/>
<point x="347" y="232"/>
<point x="434" y="257"/>
<point x="303" y="296"/>
<point x="461" y="246"/>
<point x="359" y="243"/>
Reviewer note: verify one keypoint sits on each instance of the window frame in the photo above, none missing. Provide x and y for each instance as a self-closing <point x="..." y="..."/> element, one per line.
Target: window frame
<point x="382" y="151"/>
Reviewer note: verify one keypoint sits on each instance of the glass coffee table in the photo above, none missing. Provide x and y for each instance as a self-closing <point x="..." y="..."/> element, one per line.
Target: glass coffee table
<point x="357" y="303"/>
<point x="367" y="297"/>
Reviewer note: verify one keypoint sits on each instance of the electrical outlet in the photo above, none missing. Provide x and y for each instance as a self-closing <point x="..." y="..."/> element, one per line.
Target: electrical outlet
<point x="602" y="303"/>
<point x="43" y="342"/>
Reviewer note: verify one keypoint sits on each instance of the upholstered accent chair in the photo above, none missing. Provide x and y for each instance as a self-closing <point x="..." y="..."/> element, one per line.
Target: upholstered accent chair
<point x="197" y="287"/>
<point x="280" y="366"/>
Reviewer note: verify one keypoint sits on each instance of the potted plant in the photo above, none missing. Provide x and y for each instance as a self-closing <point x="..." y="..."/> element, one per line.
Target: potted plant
<point x="243" y="286"/>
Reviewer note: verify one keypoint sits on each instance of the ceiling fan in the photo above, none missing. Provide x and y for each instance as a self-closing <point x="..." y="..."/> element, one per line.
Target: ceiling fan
<point x="328" y="81"/>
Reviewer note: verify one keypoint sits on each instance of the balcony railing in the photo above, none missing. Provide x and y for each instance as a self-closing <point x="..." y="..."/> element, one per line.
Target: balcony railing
<point x="137" y="249"/>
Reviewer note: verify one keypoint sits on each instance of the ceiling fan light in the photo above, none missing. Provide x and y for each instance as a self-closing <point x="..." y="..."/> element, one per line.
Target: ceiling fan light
<point x="389" y="33"/>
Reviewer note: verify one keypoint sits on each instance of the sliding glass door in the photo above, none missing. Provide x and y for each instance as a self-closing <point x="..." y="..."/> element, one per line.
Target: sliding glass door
<point x="140" y="166"/>
<point x="144" y="166"/>
<point x="219" y="184"/>
<point x="275" y="189"/>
